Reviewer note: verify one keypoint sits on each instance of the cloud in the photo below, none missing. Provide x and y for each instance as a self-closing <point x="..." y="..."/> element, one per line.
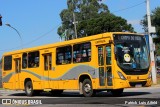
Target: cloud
<point x="134" y="22"/>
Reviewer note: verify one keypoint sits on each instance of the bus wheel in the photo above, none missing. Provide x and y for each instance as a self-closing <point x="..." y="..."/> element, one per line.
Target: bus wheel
<point x="117" y="92"/>
<point x="29" y="88"/>
<point x="56" y="92"/>
<point x="87" y="88"/>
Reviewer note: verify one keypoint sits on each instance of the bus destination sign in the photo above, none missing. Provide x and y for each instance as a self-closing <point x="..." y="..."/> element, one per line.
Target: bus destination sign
<point x="127" y="38"/>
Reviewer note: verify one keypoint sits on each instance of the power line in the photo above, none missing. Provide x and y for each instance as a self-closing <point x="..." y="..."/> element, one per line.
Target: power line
<point x="32" y="40"/>
<point x="42" y="35"/>
<point x="128" y="7"/>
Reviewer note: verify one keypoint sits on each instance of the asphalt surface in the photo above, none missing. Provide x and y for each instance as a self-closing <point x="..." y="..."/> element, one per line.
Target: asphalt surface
<point x="149" y="96"/>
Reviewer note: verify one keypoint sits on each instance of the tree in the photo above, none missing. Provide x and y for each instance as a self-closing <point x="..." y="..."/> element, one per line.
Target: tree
<point x="0" y="63"/>
<point x="158" y="49"/>
<point x="93" y="18"/>
<point x="106" y="23"/>
<point x="155" y="19"/>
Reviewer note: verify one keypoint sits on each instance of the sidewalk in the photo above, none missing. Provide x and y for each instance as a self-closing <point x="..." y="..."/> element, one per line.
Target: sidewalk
<point x="155" y="85"/>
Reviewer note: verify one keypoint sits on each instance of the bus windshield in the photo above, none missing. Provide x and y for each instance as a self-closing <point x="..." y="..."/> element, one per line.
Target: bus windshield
<point x="131" y="52"/>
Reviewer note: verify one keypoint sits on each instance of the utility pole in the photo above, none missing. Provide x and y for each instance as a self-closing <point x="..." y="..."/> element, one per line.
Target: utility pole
<point x="74" y="21"/>
<point x="75" y="26"/>
<point x="150" y="31"/>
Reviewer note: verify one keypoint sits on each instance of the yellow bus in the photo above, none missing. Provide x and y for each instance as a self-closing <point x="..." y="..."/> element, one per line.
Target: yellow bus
<point x="103" y="62"/>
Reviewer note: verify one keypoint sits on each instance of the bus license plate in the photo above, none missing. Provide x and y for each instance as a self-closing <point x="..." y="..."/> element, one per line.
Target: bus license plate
<point x="138" y="85"/>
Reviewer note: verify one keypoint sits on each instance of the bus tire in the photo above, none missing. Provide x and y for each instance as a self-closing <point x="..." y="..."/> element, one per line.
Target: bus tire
<point x="29" y="88"/>
<point x="87" y="88"/>
<point x="117" y="92"/>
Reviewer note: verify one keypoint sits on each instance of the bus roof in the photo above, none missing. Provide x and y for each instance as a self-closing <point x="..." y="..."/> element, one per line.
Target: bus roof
<point x="60" y="44"/>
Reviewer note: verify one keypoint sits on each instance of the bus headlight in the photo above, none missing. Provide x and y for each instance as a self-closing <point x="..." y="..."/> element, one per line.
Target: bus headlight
<point x="150" y="75"/>
<point x="121" y="76"/>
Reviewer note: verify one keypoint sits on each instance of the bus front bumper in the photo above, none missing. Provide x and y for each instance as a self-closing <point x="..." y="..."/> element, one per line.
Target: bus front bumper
<point x="132" y="83"/>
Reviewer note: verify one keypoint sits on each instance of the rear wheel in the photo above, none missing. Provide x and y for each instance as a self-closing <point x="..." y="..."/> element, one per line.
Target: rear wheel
<point x="29" y="88"/>
<point x="87" y="88"/>
<point x="117" y="92"/>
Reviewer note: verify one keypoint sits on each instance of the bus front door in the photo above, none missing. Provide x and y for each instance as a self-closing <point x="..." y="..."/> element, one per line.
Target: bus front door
<point x="17" y="72"/>
<point x="105" y="68"/>
<point x="47" y="70"/>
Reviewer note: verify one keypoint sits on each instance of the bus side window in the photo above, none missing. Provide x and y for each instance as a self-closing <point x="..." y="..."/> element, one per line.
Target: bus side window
<point x="24" y="60"/>
<point x="7" y="63"/>
<point x="82" y="52"/>
<point x="64" y="55"/>
<point x="100" y="56"/>
<point x="33" y="59"/>
<point x="48" y="62"/>
<point x="108" y="55"/>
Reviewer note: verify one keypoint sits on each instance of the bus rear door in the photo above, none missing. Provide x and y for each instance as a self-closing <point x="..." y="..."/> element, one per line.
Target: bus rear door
<point x="47" y="69"/>
<point x="17" y="72"/>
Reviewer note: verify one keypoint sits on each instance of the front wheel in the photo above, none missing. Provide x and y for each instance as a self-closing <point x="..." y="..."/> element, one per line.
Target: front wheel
<point x="87" y="88"/>
<point x="117" y="92"/>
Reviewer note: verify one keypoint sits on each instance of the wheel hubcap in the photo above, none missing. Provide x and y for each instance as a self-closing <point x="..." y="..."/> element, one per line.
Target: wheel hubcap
<point x="29" y="89"/>
<point x="87" y="88"/>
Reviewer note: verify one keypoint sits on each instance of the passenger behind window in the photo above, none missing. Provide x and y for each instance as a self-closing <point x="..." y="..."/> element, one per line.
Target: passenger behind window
<point x="78" y="58"/>
<point x="58" y="61"/>
<point x="36" y="60"/>
<point x="25" y="63"/>
<point x="68" y="61"/>
<point x="33" y="64"/>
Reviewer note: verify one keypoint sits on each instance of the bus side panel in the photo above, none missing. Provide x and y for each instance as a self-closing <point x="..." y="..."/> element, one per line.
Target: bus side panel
<point x="60" y="78"/>
<point x="67" y="75"/>
<point x="35" y="78"/>
<point x="8" y="85"/>
<point x="68" y="84"/>
<point x="37" y="85"/>
<point x="8" y="80"/>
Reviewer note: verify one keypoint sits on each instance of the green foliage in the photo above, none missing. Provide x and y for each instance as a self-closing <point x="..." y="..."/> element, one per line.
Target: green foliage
<point x="155" y="19"/>
<point x="104" y="23"/>
<point x="93" y="18"/>
<point x="0" y="63"/>
<point x="158" y="49"/>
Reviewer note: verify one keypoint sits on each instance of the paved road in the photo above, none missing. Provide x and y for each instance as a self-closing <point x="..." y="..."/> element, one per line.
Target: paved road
<point x="130" y="97"/>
